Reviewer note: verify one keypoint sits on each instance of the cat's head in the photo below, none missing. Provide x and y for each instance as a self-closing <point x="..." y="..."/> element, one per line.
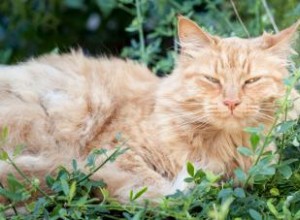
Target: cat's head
<point x="230" y="82"/>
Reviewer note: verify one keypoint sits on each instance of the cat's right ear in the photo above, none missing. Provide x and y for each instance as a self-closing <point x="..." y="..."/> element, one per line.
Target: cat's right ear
<point x="191" y="36"/>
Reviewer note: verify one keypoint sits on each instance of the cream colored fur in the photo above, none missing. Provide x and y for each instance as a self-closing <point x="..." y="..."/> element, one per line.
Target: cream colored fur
<point x="64" y="106"/>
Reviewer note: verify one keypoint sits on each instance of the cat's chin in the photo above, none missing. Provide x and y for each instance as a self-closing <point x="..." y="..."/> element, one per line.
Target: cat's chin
<point x="231" y="123"/>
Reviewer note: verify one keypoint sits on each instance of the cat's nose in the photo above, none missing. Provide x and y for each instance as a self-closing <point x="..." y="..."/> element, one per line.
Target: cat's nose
<point x="231" y="103"/>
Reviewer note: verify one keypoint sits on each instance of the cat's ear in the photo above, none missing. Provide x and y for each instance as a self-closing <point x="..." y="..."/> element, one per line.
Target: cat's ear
<point x="280" y="43"/>
<point x="192" y="36"/>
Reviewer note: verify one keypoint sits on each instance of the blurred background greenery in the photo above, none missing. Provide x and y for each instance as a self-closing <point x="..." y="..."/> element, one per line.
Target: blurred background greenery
<point x="138" y="29"/>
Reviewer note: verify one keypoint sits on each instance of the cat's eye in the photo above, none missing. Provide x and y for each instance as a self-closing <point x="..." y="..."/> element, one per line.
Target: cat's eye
<point x="252" y="80"/>
<point x="212" y="79"/>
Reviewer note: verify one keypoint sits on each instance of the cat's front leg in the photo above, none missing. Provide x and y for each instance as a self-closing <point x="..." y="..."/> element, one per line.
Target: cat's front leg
<point x="131" y="173"/>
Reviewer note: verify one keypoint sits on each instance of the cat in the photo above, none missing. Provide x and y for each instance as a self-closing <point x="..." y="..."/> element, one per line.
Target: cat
<point x="64" y="106"/>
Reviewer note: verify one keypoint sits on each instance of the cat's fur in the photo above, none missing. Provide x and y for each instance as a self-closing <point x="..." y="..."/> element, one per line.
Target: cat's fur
<point x="64" y="106"/>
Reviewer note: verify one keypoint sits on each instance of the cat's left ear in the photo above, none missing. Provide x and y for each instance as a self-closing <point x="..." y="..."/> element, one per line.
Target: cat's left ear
<point x="191" y="36"/>
<point x="280" y="43"/>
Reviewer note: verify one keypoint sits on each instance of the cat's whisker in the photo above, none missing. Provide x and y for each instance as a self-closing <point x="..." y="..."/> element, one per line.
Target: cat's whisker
<point x="185" y="115"/>
<point x="265" y="117"/>
<point x="189" y="122"/>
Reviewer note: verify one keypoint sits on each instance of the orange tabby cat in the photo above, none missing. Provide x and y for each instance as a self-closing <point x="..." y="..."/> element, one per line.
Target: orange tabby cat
<point x="64" y="106"/>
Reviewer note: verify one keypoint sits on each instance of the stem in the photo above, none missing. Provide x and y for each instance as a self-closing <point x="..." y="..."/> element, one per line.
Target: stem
<point x="140" y="30"/>
<point x="269" y="14"/>
<point x="285" y="105"/>
<point x="100" y="166"/>
<point x="175" y="5"/>
<point x="285" y="109"/>
<point x="239" y="18"/>
<point x="262" y="149"/>
<point x="128" y="10"/>
<point x="28" y="180"/>
<point x="213" y="7"/>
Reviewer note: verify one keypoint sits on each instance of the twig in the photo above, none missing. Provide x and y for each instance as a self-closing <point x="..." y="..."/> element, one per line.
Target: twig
<point x="269" y="14"/>
<point x="239" y="18"/>
<point x="100" y="166"/>
<point x="140" y="29"/>
<point x="128" y="10"/>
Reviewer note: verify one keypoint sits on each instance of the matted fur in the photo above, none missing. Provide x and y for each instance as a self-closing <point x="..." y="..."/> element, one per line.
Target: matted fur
<point x="64" y="106"/>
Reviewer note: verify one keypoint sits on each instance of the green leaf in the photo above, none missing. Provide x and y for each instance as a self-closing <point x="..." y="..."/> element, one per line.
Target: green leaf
<point x="139" y="194"/>
<point x="239" y="192"/>
<point x="126" y="1"/>
<point x="285" y="171"/>
<point x="267" y="170"/>
<point x="49" y="181"/>
<point x="106" y="7"/>
<point x="254" y="140"/>
<point x="211" y="177"/>
<point x="190" y="169"/>
<point x="18" y="150"/>
<point x="131" y="195"/>
<point x="285" y="126"/>
<point x="287" y="213"/>
<point x="74" y="165"/>
<point x="13" y="183"/>
<point x="3" y="155"/>
<point x="91" y="159"/>
<point x="274" y="191"/>
<point x="4" y="134"/>
<point x="254" y="214"/>
<point x="224" y="194"/>
<point x="65" y="186"/>
<point x="272" y="208"/>
<point x="240" y="174"/>
<point x="72" y="191"/>
<point x="55" y="50"/>
<point x="199" y="174"/>
<point x="18" y="196"/>
<point x="189" y="179"/>
<point x="287" y="162"/>
<point x="63" y="213"/>
<point x="76" y="4"/>
<point x="254" y="130"/>
<point x="134" y="26"/>
<point x="288" y="82"/>
<point x="82" y="201"/>
<point x="297" y="215"/>
<point x="296" y="142"/>
<point x="245" y="151"/>
<point x="5" y="55"/>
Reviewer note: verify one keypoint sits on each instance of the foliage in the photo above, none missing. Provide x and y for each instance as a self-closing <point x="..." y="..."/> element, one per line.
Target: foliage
<point x="139" y="29"/>
<point x="146" y="31"/>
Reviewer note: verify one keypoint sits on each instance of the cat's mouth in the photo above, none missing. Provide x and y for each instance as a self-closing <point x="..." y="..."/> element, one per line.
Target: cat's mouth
<point x="233" y="119"/>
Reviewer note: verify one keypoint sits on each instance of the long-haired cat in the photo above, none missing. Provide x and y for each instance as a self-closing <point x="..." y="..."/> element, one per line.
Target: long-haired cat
<point x="64" y="106"/>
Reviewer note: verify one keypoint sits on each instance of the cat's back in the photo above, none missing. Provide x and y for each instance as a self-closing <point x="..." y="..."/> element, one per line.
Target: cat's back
<point x="74" y="70"/>
<point x="114" y="73"/>
<point x="68" y="96"/>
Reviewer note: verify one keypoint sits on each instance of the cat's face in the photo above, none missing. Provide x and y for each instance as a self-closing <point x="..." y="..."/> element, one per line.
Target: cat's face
<point x="231" y="82"/>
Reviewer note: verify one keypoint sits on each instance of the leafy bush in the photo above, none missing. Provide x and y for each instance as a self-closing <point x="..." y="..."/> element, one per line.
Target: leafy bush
<point x="146" y="31"/>
<point x="139" y="29"/>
